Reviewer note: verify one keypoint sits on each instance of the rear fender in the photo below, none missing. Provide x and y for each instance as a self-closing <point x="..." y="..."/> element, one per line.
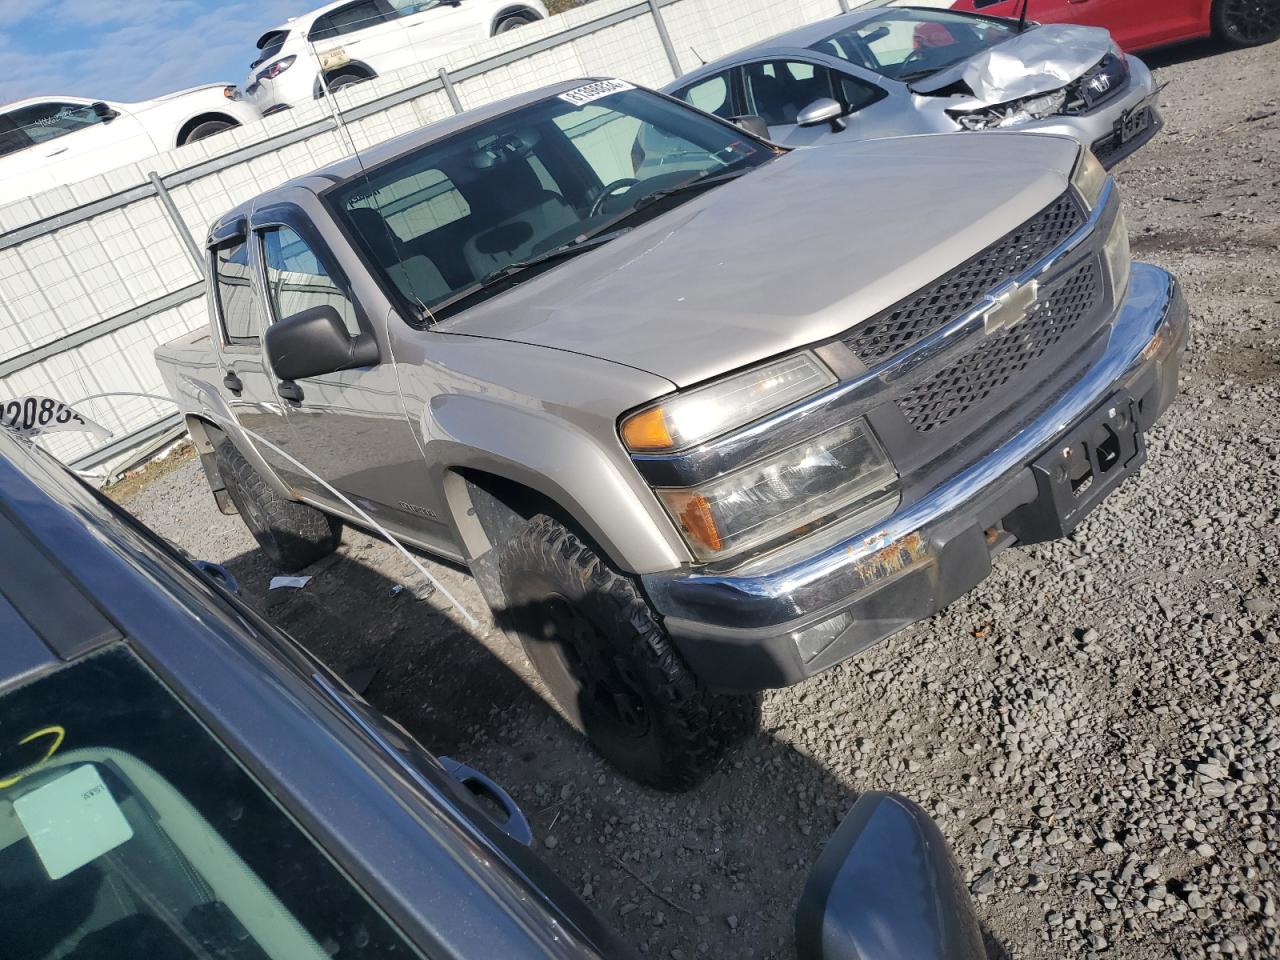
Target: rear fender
<point x="212" y="410"/>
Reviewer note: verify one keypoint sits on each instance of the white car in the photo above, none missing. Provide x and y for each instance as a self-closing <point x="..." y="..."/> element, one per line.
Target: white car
<point x="355" y="40"/>
<point x="49" y="141"/>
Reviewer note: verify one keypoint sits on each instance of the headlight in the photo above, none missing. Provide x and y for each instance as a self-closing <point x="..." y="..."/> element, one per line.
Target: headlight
<point x="688" y="419"/>
<point x="1011" y="114"/>
<point x="1116" y="252"/>
<point x="277" y="68"/>
<point x="839" y="473"/>
<point x="1089" y="178"/>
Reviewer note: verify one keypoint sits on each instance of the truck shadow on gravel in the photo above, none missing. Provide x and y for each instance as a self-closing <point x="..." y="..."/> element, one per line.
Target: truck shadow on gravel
<point x="715" y="872"/>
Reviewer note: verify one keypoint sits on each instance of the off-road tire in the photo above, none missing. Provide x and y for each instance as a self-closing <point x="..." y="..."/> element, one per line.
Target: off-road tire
<point x="293" y="535"/>
<point x="207" y="129"/>
<point x="561" y="598"/>
<point x="1246" y="23"/>
<point x="513" y="22"/>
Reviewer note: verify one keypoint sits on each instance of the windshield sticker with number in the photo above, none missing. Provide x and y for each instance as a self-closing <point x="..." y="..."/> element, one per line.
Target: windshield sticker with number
<point x="581" y="96"/>
<point x="71" y="821"/>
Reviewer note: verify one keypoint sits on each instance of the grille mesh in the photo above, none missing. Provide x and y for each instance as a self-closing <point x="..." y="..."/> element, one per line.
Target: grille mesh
<point x="953" y="391"/>
<point x="959" y="291"/>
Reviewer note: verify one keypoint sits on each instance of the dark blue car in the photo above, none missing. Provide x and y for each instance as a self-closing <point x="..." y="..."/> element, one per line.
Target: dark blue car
<point x="180" y="780"/>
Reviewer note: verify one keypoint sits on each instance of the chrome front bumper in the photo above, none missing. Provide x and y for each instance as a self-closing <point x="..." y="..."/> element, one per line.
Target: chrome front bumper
<point x="745" y="630"/>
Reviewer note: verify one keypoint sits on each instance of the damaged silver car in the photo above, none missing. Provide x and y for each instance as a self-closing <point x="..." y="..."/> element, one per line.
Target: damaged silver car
<point x="884" y="72"/>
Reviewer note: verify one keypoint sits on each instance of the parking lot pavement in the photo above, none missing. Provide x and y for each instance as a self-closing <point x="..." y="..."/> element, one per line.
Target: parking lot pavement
<point x="1096" y="728"/>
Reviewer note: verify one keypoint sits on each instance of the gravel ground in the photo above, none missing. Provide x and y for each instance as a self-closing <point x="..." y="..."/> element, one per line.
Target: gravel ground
<point x="1095" y="728"/>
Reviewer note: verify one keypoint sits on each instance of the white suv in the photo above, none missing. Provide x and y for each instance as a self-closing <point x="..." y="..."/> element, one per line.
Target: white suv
<point x="354" y="40"/>
<point x="49" y="141"/>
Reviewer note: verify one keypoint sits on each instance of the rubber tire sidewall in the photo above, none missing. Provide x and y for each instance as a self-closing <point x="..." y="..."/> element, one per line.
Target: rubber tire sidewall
<point x="208" y="129"/>
<point x="343" y="80"/>
<point x="1223" y="33"/>
<point x="513" y="22"/>
<point x="293" y="535"/>
<point x="681" y="743"/>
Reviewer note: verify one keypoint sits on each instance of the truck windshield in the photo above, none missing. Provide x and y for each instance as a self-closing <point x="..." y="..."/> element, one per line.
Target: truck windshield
<point x="910" y="44"/>
<point x="445" y="222"/>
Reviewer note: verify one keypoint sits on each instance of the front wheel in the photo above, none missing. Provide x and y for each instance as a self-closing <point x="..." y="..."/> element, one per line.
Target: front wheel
<point x="598" y="646"/>
<point x="207" y="129"/>
<point x="1246" y="23"/>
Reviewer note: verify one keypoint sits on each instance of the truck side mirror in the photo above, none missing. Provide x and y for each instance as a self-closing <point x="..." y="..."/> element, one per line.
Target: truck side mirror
<point x="315" y="342"/>
<point x="753" y="124"/>
<point x="823" y="110"/>
<point x="886" y="887"/>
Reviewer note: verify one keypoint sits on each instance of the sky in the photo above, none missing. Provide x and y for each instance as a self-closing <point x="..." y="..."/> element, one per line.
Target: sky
<point x="127" y="50"/>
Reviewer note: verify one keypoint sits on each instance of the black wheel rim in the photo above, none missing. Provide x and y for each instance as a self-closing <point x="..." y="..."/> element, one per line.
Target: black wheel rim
<point x="608" y="694"/>
<point x="1251" y="21"/>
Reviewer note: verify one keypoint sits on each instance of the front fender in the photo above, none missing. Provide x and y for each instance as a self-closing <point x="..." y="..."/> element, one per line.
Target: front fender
<point x="557" y="459"/>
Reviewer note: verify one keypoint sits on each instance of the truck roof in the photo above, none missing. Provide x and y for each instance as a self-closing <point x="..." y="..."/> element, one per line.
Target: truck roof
<point x="350" y="166"/>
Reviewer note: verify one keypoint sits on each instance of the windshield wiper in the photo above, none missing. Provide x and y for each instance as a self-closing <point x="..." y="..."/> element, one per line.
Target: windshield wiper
<point x="706" y="181"/>
<point x="572" y="248"/>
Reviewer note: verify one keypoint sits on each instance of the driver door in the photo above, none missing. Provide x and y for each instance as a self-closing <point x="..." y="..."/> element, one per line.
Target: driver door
<point x="777" y="90"/>
<point x="348" y="427"/>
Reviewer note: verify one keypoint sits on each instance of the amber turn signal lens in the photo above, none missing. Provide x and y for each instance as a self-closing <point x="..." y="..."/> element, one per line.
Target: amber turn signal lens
<point x="700" y="524"/>
<point x="647" y="431"/>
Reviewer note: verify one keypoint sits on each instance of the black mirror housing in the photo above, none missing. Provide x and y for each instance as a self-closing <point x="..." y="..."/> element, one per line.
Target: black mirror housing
<point x="753" y="125"/>
<point x="103" y="111"/>
<point x="887" y="888"/>
<point x="315" y="342"/>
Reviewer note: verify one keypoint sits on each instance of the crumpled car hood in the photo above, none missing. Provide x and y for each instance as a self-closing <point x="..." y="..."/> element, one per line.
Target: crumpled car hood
<point x="1041" y="60"/>
<point x="794" y="252"/>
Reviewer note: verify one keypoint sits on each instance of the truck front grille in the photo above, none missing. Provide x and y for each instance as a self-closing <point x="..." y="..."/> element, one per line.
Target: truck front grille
<point x="1000" y="361"/>
<point x="959" y="291"/>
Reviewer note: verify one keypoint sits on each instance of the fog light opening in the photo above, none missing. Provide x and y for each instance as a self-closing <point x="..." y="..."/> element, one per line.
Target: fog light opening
<point x="812" y="640"/>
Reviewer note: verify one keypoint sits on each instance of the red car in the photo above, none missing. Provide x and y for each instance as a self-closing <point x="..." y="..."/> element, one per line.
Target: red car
<point x="1142" y="24"/>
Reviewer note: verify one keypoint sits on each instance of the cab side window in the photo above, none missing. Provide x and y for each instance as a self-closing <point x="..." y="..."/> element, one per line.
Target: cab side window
<point x="12" y="138"/>
<point x="297" y="279"/>
<point x="351" y="18"/>
<point x="42" y="122"/>
<point x="778" y="90"/>
<point x="712" y="95"/>
<point x="233" y="289"/>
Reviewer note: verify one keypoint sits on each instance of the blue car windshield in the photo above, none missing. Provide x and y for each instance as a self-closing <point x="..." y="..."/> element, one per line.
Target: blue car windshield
<point x="444" y="220"/>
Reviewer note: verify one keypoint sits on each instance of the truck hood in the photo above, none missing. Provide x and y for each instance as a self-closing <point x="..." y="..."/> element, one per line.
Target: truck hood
<point x="792" y="253"/>
<point x="1041" y="60"/>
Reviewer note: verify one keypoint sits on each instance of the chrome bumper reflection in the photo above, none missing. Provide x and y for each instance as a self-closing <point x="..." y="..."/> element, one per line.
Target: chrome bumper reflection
<point x="780" y="590"/>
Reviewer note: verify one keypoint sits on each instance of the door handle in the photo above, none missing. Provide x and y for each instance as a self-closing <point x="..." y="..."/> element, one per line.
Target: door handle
<point x="54" y="153"/>
<point x="233" y="383"/>
<point x="289" y="390"/>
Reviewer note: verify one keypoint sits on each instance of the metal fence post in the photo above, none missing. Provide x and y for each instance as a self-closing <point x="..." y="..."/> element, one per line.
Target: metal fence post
<point x="449" y="92"/>
<point x="844" y="6"/>
<point x="665" y="37"/>
<point x="179" y="225"/>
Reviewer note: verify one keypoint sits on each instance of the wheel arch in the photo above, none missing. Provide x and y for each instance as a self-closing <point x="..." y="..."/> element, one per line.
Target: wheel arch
<point x="189" y="127"/>
<point x="512" y="10"/>
<point x="351" y="67"/>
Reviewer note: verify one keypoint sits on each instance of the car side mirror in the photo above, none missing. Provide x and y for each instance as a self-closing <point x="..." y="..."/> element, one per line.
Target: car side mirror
<point x="104" y="112"/>
<point x="823" y="110"/>
<point x="753" y="125"/>
<point x="886" y="887"/>
<point x="315" y="342"/>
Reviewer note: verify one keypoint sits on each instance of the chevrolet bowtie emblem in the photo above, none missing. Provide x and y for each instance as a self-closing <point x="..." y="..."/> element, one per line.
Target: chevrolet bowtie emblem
<point x="1010" y="306"/>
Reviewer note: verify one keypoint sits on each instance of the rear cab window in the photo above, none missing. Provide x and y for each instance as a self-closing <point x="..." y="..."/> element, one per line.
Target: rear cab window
<point x="235" y="303"/>
<point x="127" y="829"/>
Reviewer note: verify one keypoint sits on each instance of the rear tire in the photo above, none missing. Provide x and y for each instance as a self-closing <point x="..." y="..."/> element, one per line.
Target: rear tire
<point x="338" y="81"/>
<point x="600" y="649"/>
<point x="513" y="22"/>
<point x="293" y="535"/>
<point x="1246" y="23"/>
<point x="207" y="129"/>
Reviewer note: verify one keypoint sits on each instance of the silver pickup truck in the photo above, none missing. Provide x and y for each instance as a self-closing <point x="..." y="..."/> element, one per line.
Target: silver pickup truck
<point x="702" y="415"/>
